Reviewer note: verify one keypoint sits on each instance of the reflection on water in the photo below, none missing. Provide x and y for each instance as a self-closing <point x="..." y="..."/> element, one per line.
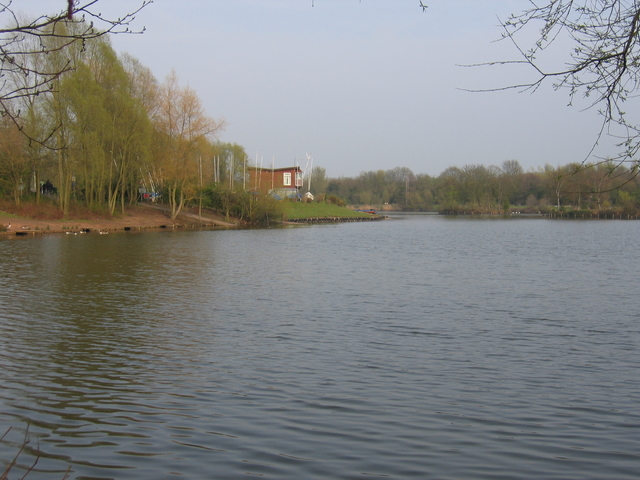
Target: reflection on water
<point x="420" y="347"/>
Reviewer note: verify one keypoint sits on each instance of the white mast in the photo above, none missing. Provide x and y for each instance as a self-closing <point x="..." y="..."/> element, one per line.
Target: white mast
<point x="310" y="167"/>
<point x="255" y="180"/>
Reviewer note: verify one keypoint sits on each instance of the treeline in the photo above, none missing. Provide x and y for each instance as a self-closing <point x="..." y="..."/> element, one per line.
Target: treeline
<point x="107" y="132"/>
<point x="606" y="185"/>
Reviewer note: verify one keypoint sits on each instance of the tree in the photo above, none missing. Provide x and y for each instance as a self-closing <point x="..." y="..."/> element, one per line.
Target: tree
<point x="319" y="180"/>
<point x="52" y="34"/>
<point x="228" y="162"/>
<point x="400" y="178"/>
<point x="110" y="132"/>
<point x="182" y="129"/>
<point x="556" y="182"/>
<point x="14" y="161"/>
<point x="510" y="172"/>
<point x="142" y="83"/>
<point x="423" y="198"/>
<point x="603" y="63"/>
<point x="449" y="191"/>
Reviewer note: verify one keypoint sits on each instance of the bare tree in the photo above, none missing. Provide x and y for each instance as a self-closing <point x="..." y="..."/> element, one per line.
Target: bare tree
<point x="602" y="64"/>
<point x="76" y="24"/>
<point x="604" y="59"/>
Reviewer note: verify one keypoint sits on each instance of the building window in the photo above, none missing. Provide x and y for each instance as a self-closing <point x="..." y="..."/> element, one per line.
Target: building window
<point x="286" y="180"/>
<point x="298" y="179"/>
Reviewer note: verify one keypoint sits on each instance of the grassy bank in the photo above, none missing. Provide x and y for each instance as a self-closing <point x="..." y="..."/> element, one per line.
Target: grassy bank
<point x="300" y="210"/>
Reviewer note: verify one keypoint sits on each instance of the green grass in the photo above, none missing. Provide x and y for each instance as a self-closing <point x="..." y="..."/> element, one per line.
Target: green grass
<point x="296" y="210"/>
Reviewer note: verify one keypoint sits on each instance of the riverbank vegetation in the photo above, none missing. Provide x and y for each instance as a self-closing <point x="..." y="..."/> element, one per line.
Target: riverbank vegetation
<point x="608" y="186"/>
<point x="106" y="134"/>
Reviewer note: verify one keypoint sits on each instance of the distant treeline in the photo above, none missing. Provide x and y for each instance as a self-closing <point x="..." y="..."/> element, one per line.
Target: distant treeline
<point x="602" y="186"/>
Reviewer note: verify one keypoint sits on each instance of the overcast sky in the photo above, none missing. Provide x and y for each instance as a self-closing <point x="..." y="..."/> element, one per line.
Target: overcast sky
<point x="359" y="84"/>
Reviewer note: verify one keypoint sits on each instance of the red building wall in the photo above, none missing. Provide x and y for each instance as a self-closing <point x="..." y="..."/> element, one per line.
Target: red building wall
<point x="265" y="179"/>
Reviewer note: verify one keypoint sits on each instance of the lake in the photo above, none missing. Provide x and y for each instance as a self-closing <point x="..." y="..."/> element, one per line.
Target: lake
<point x="419" y="347"/>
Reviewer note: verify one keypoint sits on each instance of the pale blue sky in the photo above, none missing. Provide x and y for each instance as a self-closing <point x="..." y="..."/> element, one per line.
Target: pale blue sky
<point x="360" y="85"/>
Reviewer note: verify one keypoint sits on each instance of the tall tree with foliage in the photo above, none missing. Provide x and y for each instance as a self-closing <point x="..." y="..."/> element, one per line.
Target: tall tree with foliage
<point x="82" y="22"/>
<point x="182" y="130"/>
<point x="111" y="132"/>
<point x="14" y="160"/>
<point x="319" y="180"/>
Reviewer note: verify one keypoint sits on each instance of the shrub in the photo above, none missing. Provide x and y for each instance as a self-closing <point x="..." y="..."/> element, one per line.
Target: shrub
<point x="266" y="209"/>
<point x="336" y="201"/>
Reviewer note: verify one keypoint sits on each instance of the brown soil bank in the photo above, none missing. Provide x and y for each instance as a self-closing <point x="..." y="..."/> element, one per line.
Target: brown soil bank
<point x="139" y="217"/>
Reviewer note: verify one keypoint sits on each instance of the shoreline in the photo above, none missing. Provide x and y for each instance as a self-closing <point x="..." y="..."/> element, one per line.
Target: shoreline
<point x="140" y="218"/>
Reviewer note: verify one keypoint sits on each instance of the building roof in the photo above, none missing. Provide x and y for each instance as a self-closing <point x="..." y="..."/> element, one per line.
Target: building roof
<point x="296" y="169"/>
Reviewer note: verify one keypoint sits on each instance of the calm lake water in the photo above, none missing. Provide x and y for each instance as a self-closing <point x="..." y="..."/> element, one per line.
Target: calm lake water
<point x="419" y="347"/>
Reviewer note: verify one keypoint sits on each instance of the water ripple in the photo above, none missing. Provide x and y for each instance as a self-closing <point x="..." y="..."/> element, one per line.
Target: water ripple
<point x="420" y="348"/>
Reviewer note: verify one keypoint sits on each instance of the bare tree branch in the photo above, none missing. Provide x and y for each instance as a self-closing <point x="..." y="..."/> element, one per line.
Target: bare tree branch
<point x="603" y="64"/>
<point x="53" y="33"/>
<point x="23" y="42"/>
